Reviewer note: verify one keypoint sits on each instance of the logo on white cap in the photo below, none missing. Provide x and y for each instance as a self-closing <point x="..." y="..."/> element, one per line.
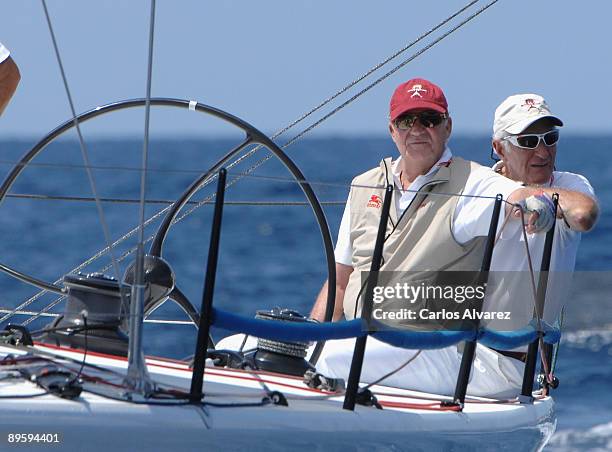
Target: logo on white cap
<point x="519" y="111"/>
<point x="416" y="90"/>
<point x="533" y="103"/>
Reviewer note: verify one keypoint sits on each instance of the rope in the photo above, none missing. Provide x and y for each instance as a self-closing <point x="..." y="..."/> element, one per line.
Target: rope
<point x="150" y="238"/>
<point x="372" y="70"/>
<point x="252" y="151"/>
<point x="167" y="201"/>
<point x="538" y="315"/>
<point x="102" y="167"/>
<point x="317" y="123"/>
<point x="547" y="372"/>
<point x="554" y="362"/>
<point x="393" y="372"/>
<point x="84" y="152"/>
<point x="359" y="94"/>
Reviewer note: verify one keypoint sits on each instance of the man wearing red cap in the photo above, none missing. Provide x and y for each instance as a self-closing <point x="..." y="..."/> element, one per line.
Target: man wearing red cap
<point x="9" y="77"/>
<point x="431" y="231"/>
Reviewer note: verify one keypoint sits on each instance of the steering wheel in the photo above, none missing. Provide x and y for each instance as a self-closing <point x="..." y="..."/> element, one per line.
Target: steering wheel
<point x="252" y="136"/>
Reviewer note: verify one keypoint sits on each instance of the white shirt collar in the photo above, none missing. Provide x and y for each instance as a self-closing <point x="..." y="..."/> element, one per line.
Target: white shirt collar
<point x="497" y="166"/>
<point x="446" y="156"/>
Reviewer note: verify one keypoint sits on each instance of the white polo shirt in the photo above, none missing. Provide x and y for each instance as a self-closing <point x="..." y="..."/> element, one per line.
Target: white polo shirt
<point x="472" y="214"/>
<point x="4" y="53"/>
<point x="510" y="255"/>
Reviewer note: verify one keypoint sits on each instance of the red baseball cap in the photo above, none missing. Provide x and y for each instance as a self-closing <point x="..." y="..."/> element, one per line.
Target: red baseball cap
<point x="417" y="94"/>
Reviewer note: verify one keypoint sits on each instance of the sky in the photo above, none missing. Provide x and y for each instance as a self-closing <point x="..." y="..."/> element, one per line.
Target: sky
<point x="271" y="61"/>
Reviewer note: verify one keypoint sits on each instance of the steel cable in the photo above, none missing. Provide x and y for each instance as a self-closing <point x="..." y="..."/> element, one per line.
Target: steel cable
<point x="288" y="143"/>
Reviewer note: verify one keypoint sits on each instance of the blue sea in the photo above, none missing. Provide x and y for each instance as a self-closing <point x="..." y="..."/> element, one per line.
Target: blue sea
<point x="272" y="255"/>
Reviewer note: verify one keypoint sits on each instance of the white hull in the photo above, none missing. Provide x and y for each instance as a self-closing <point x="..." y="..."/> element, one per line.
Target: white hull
<point x="312" y="421"/>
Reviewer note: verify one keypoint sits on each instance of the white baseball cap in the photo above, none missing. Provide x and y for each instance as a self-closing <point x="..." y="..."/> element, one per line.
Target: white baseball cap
<point x="518" y="112"/>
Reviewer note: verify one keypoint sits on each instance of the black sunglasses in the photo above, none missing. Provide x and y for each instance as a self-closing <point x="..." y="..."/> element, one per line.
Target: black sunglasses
<point x="532" y="140"/>
<point x="428" y="119"/>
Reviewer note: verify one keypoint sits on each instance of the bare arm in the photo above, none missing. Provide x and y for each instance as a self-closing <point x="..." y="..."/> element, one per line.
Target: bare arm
<point x="579" y="210"/>
<point x="343" y="272"/>
<point x="9" y="79"/>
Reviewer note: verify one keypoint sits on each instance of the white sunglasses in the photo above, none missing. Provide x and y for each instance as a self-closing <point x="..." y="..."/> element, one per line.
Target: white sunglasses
<point x="532" y="140"/>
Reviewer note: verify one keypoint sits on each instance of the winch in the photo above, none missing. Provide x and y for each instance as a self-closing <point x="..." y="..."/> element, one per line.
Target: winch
<point x="96" y="312"/>
<point x="96" y="296"/>
<point x="280" y="356"/>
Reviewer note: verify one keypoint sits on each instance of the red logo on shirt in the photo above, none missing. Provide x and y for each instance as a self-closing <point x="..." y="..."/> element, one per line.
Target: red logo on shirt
<point x="375" y="201"/>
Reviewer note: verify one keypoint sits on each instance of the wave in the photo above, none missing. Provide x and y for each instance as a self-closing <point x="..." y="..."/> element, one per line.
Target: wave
<point x="597" y="438"/>
<point x="592" y="339"/>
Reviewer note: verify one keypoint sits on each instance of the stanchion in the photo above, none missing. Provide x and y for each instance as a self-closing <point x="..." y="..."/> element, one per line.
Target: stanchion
<point x="360" y="343"/>
<point x="470" y="346"/>
<point x="532" y="351"/>
<point x="197" y="379"/>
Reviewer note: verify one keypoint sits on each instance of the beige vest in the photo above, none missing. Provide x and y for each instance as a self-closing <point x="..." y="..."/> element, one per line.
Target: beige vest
<point x="420" y="240"/>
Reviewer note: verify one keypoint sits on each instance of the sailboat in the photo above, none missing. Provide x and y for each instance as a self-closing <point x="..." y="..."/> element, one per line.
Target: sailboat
<point x="83" y="382"/>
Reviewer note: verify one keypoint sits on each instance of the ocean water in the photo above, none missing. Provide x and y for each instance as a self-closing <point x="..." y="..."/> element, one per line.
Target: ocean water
<point x="272" y="255"/>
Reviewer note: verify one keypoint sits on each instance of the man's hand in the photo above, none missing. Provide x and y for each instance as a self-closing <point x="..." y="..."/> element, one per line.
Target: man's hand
<point x="539" y="211"/>
<point x="343" y="272"/>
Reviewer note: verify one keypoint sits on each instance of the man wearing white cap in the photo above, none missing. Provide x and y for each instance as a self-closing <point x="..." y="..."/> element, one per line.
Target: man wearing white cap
<point x="443" y="236"/>
<point x="428" y="232"/>
<point x="525" y="138"/>
<point x="9" y="77"/>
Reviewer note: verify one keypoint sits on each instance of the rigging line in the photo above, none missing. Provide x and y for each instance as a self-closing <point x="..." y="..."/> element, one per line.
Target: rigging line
<point x="55" y="315"/>
<point x="391" y="72"/>
<point x="169" y="322"/>
<point x="84" y="153"/>
<point x="19" y="312"/>
<point x="131" y="250"/>
<point x="109" y="248"/>
<point x="44" y="311"/>
<point x="137" y="378"/>
<point x="165" y="201"/>
<point x="105" y="250"/>
<point x="291" y="141"/>
<point x="359" y="79"/>
<point x="294" y="139"/>
<point x="150" y="238"/>
<point x="353" y="98"/>
<point x="538" y="314"/>
<point x="545" y="363"/>
<point x="145" y="148"/>
<point x="554" y="360"/>
<point x="373" y="187"/>
<point x="298" y="120"/>
<point x="531" y="272"/>
<point x="363" y="91"/>
<point x="394" y="371"/>
<point x="93" y="258"/>
<point x="373" y="69"/>
<point x="101" y="167"/>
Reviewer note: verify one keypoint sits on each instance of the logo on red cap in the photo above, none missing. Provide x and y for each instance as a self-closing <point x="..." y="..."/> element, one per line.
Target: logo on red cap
<point x="416" y="90"/>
